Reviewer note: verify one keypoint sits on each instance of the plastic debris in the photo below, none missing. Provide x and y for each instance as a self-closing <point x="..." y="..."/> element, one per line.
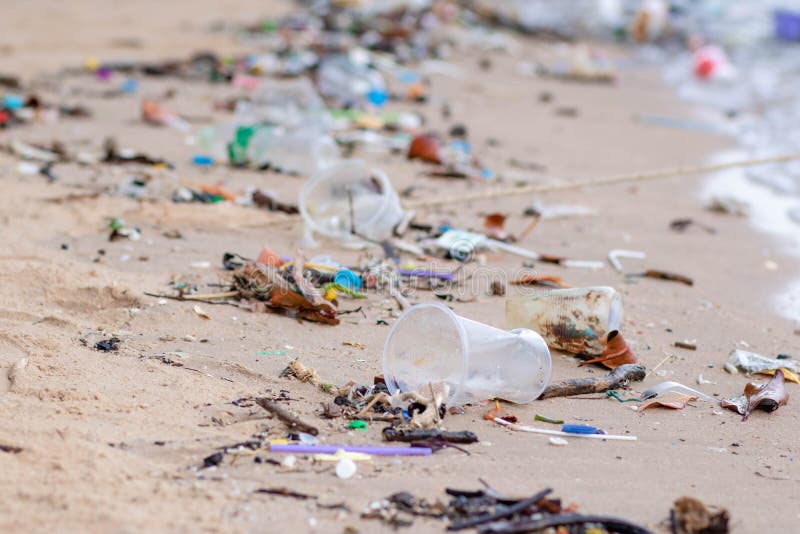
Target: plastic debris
<point x="574" y="320"/>
<point x="430" y="344"/>
<point x="750" y="362"/>
<point x="672" y="388"/>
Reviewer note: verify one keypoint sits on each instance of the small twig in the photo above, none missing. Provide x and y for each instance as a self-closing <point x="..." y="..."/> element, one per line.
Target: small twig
<point x="290" y="419"/>
<point x="380" y="397"/>
<point x="529" y="228"/>
<point x="428" y="434"/>
<point x="206" y="298"/>
<point x="582" y="386"/>
<point x="384" y="418"/>
<point x="285" y="492"/>
<point x="653" y="370"/>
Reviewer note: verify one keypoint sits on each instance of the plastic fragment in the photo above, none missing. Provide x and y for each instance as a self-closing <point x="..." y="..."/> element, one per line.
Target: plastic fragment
<point x="346" y="468"/>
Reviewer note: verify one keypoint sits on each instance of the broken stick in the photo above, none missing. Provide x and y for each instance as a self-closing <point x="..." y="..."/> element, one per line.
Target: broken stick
<point x="581" y="386"/>
<point x="426" y="434"/>
<point x="291" y="420"/>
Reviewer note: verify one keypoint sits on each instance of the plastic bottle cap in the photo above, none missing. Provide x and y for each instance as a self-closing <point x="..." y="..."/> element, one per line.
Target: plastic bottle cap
<point x="347" y="278"/>
<point x="377" y="97"/>
<point x="12" y="101"/>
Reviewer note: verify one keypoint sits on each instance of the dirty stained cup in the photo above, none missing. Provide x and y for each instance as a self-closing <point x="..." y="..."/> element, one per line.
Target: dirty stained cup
<point x="347" y="197"/>
<point x="430" y="344"/>
<point x="573" y="320"/>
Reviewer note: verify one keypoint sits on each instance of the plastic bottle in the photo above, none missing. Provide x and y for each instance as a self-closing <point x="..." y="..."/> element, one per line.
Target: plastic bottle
<point x="430" y="344"/>
<point x="301" y="151"/>
<point x="573" y="320"/>
<point x="349" y="79"/>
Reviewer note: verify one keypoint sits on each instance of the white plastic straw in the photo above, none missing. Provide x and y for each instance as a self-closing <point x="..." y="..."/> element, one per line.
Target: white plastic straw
<point x="522" y="428"/>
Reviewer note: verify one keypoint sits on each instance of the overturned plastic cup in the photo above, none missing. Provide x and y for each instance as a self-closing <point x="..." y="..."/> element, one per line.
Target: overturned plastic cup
<point x="350" y="199"/>
<point x="429" y="344"/>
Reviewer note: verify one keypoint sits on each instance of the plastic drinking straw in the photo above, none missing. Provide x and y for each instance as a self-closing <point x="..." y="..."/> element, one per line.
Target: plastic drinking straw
<point x="533" y="430"/>
<point x="366" y="449"/>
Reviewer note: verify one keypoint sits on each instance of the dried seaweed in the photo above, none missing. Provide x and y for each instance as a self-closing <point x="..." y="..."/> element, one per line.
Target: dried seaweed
<point x="768" y="397"/>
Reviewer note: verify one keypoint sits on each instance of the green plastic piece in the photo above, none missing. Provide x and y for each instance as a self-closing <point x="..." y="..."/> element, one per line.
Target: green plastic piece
<point x="544" y="419"/>
<point x="342" y="289"/>
<point x="614" y="395"/>
<point x="357" y="425"/>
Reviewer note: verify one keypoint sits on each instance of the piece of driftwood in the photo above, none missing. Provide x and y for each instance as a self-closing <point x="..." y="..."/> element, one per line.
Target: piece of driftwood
<point x="291" y="420"/>
<point x="581" y="386"/>
<point x="426" y="434"/>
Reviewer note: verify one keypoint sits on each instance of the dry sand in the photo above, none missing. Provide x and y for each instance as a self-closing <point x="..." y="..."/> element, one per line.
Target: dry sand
<point x="109" y="439"/>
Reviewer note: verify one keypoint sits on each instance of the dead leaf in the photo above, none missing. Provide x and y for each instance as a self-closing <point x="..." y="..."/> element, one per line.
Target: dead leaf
<point x="494" y="227"/>
<point x="676" y="402"/>
<point x="267" y="287"/>
<point x="540" y="279"/>
<point x="691" y="516"/>
<point x="425" y="147"/>
<point x="199" y="311"/>
<point x="769" y="396"/>
<point x="616" y="353"/>
<point x="791" y="376"/>
<point x="497" y="413"/>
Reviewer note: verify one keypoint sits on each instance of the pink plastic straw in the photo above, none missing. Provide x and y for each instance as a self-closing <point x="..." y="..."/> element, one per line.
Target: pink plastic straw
<point x="367" y="449"/>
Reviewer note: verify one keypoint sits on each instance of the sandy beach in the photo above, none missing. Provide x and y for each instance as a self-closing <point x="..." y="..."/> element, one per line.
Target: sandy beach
<point x="108" y="441"/>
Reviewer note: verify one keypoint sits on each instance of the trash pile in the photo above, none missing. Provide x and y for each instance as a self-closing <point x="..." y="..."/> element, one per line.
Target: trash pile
<point x="329" y="91"/>
<point x="490" y="512"/>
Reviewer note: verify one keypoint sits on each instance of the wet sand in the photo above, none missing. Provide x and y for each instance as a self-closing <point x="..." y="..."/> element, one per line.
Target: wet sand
<point x="109" y="439"/>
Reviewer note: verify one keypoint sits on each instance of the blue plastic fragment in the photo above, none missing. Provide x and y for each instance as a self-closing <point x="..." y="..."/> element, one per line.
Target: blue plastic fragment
<point x="203" y="160"/>
<point x="129" y="86"/>
<point x="12" y="101"/>
<point x="347" y="278"/>
<point x="377" y="97"/>
<point x="580" y="429"/>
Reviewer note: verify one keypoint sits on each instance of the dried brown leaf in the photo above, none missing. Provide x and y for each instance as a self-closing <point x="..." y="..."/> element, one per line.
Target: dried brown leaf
<point x="616" y="353"/>
<point x="425" y="147"/>
<point x="769" y="396"/>
<point x="691" y="516"/>
<point x="676" y="402"/>
<point x="494" y="227"/>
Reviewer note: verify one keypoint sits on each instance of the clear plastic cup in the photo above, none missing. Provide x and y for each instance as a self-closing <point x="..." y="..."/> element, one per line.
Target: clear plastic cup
<point x="349" y="195"/>
<point x="573" y="320"/>
<point x="430" y="344"/>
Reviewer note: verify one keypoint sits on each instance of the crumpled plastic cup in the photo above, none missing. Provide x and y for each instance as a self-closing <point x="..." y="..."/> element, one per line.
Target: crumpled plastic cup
<point x="350" y="196"/>
<point x="430" y="344"/>
<point x="573" y="320"/>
